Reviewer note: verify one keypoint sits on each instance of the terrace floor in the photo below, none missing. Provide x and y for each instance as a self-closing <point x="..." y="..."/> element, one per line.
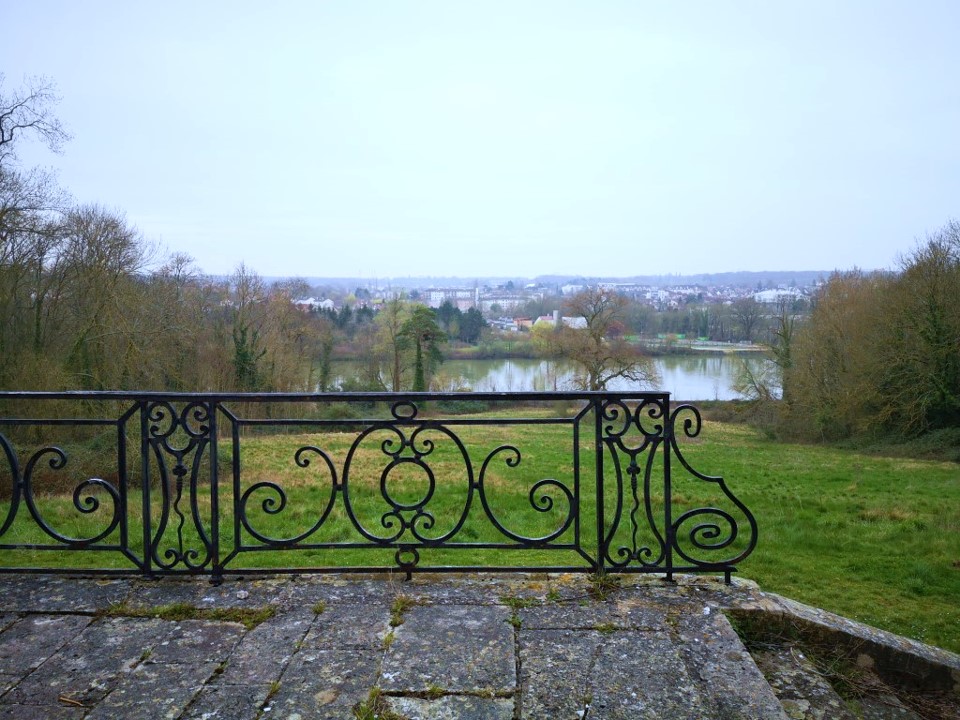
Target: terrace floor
<point x="533" y="646"/>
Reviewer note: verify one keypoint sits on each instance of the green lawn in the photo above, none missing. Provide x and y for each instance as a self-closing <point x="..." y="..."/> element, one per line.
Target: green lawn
<point x="876" y="539"/>
<point x="872" y="538"/>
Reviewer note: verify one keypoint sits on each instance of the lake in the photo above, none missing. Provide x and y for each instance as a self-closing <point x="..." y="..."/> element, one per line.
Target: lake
<point x="687" y="377"/>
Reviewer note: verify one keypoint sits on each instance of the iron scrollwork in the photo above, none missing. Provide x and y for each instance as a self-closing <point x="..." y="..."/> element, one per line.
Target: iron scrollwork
<point x="714" y="529"/>
<point x="635" y="435"/>
<point x="539" y="497"/>
<point x="179" y="435"/>
<point x="406" y="444"/>
<point x="641" y="443"/>
<point x="398" y="482"/>
<point x="84" y="497"/>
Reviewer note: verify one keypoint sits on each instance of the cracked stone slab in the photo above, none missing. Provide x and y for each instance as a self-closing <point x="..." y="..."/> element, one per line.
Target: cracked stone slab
<point x="465" y="648"/>
<point x="350" y="625"/>
<point x="554" y="672"/>
<point x="25" y="645"/>
<point x="617" y="612"/>
<point x="265" y="651"/>
<point x="194" y="641"/>
<point x="325" y="681"/>
<point x="452" y="707"/>
<point x="88" y="667"/>
<point x="629" y="675"/>
<point x="716" y="656"/>
<point x="642" y="676"/>
<point x="46" y="593"/>
<point x="154" y="690"/>
<point x="227" y="702"/>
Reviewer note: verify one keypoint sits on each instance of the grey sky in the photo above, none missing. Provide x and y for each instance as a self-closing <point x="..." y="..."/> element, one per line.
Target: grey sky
<point x="507" y="138"/>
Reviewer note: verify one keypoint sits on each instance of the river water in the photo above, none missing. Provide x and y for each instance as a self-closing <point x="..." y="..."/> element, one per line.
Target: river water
<point x="686" y="377"/>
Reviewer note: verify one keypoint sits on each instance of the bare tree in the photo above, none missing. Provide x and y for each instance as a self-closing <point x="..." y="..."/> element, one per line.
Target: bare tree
<point x="747" y="312"/>
<point x="598" y="348"/>
<point x="391" y="340"/>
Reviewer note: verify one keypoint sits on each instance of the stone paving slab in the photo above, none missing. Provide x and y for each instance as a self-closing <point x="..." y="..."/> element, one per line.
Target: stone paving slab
<point x="555" y="667"/>
<point x="264" y="652"/>
<point x="617" y="613"/>
<point x="232" y="593"/>
<point x="154" y="690"/>
<point x="349" y="625"/>
<point x="305" y="592"/>
<point x="26" y="644"/>
<point x="715" y="655"/>
<point x="464" y="648"/>
<point x="191" y="641"/>
<point x="326" y="682"/>
<point x="45" y="593"/>
<point x="89" y="667"/>
<point x="641" y="675"/>
<point x="228" y="702"/>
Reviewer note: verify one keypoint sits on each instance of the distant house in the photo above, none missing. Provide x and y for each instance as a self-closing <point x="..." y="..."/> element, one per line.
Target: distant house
<point x="312" y="304"/>
<point x="578" y="323"/>
<point x="506" y="324"/>
<point x="462" y="298"/>
<point x="774" y="296"/>
<point x="505" y="301"/>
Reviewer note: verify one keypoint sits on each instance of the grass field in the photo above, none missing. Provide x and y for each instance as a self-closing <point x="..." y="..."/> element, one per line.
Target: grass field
<point x="873" y="538"/>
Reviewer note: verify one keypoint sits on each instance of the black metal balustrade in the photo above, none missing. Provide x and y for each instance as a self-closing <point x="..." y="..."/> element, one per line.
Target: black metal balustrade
<point x="170" y="483"/>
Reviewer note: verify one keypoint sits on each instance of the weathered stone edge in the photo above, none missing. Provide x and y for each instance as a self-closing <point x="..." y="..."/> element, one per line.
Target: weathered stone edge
<point x="897" y="660"/>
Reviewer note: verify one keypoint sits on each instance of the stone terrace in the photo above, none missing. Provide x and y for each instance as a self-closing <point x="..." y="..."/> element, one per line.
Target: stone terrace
<point x="453" y="647"/>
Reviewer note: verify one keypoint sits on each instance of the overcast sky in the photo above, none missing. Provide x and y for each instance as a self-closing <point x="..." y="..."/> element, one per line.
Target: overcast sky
<point x="401" y="138"/>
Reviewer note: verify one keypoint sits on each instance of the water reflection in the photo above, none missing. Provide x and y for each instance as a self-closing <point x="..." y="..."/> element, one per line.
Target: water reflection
<point x="686" y="377"/>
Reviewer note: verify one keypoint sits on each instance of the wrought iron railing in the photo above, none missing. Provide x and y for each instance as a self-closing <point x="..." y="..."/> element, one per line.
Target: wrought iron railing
<point x="167" y="483"/>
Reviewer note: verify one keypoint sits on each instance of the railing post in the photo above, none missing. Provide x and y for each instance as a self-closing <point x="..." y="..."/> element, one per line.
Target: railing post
<point x="598" y="464"/>
<point x="214" y="496"/>
<point x="668" y="490"/>
<point x="145" y="487"/>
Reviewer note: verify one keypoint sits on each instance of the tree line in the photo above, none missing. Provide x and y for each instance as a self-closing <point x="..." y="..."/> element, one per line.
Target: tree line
<point x="740" y="320"/>
<point x="88" y="303"/>
<point x="879" y="354"/>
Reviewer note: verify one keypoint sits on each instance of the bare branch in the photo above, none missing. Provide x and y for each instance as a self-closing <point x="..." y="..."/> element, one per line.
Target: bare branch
<point x="29" y="111"/>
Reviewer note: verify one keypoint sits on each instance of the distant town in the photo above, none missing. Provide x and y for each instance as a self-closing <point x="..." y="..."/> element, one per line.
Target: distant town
<point x="499" y="299"/>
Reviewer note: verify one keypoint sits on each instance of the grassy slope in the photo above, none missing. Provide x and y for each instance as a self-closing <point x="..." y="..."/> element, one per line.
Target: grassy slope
<point x="876" y="539"/>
